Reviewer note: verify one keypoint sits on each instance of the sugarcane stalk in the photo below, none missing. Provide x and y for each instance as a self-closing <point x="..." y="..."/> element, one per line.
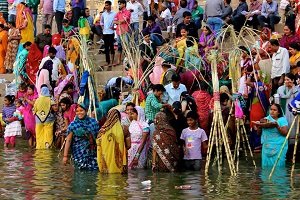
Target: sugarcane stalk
<point x="282" y="147"/>
<point x="295" y="146"/>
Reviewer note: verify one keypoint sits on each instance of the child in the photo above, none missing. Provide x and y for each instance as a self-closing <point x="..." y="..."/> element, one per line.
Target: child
<point x="13" y="126"/>
<point x="21" y="91"/>
<point x="194" y="138"/>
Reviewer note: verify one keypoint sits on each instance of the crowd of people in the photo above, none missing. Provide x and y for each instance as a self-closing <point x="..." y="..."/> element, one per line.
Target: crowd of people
<point x="167" y="126"/>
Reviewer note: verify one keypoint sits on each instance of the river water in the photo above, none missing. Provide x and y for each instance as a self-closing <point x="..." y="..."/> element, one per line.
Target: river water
<point x="39" y="174"/>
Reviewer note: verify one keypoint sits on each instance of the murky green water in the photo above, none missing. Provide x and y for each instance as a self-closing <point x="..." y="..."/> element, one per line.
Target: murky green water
<point x="39" y="174"/>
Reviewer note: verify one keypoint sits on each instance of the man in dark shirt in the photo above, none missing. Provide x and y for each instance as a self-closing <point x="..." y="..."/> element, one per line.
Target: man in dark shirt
<point x="227" y="11"/>
<point x="154" y="30"/>
<point x="44" y="38"/>
<point x="238" y="19"/>
<point x="190" y="26"/>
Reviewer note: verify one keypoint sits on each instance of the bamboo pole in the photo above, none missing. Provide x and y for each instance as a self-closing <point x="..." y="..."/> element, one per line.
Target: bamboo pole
<point x="282" y="147"/>
<point x="295" y="146"/>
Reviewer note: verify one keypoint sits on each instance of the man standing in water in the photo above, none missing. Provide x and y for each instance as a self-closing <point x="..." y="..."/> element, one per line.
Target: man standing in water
<point x="107" y="24"/>
<point x="122" y="20"/>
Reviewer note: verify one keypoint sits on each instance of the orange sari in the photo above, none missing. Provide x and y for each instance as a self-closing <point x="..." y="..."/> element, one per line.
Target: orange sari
<point x="3" y="48"/>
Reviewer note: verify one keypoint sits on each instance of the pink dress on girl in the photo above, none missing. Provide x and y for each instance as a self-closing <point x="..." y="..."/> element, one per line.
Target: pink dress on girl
<point x="29" y="119"/>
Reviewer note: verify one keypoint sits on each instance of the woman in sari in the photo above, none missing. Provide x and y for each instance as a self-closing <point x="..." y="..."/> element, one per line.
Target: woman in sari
<point x="294" y="50"/>
<point x="139" y="133"/>
<point x="44" y="76"/>
<point x="44" y="119"/>
<point x="33" y="61"/>
<point x="19" y="69"/>
<point x="289" y="36"/>
<point x="274" y="130"/>
<point x="24" y="23"/>
<point x="180" y="44"/>
<point x="207" y="40"/>
<point x="29" y="119"/>
<point x="14" y="37"/>
<point x="81" y="136"/>
<point x="73" y="50"/>
<point x="166" y="151"/>
<point x="287" y="93"/>
<point x="259" y="105"/>
<point x="3" y="48"/>
<point x="111" y="149"/>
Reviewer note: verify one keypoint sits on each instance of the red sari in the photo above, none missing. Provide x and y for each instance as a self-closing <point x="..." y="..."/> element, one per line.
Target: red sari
<point x="34" y="59"/>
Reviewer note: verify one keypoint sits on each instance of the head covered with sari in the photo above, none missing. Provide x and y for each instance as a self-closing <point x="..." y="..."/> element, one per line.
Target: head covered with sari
<point x="111" y="151"/>
<point x="33" y="61"/>
<point x="164" y="143"/>
<point x="42" y="105"/>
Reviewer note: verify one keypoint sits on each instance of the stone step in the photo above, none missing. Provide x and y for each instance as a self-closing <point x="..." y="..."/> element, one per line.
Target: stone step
<point x="101" y="78"/>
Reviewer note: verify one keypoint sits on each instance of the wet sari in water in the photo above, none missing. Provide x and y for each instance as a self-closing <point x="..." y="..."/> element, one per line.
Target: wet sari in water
<point x="19" y="68"/>
<point x="29" y="119"/>
<point x="3" y="49"/>
<point x="111" y="150"/>
<point x="83" y="142"/>
<point x="165" y="144"/>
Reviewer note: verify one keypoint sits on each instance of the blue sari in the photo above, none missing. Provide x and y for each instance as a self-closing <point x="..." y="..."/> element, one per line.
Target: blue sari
<point x="83" y="142"/>
<point x="272" y="141"/>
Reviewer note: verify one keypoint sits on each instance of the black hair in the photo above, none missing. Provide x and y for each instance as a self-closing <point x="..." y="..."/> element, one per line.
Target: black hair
<point x="23" y="86"/>
<point x="27" y="44"/>
<point x="19" y="101"/>
<point x="208" y="28"/>
<point x="189" y="43"/>
<point x="68" y="86"/>
<point x="298" y="64"/>
<point x="177" y="107"/>
<point x="135" y="111"/>
<point x="244" y="49"/>
<point x="47" y="26"/>
<point x="279" y="109"/>
<point x="291" y="27"/>
<point x="119" y="81"/>
<point x="65" y="21"/>
<point x="122" y="1"/>
<point x="192" y="114"/>
<point x="31" y="87"/>
<point x="107" y="2"/>
<point x="168" y="65"/>
<point x="151" y="18"/>
<point x="224" y="97"/>
<point x="183" y="3"/>
<point x="44" y="85"/>
<point x="186" y="14"/>
<point x="86" y="8"/>
<point x="295" y="45"/>
<point x="176" y="78"/>
<point x="130" y="104"/>
<point x="2" y="26"/>
<point x="145" y="32"/>
<point x="66" y="101"/>
<point x="292" y="77"/>
<point x="274" y="42"/>
<point x="158" y="87"/>
<point x="10" y="98"/>
<point x="228" y="1"/>
<point x="12" y="23"/>
<point x="52" y="50"/>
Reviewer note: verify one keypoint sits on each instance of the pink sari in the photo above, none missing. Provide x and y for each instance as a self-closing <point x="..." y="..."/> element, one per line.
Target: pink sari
<point x="29" y="119"/>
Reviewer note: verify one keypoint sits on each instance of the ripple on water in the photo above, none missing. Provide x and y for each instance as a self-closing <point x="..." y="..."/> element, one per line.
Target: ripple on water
<point x="39" y="174"/>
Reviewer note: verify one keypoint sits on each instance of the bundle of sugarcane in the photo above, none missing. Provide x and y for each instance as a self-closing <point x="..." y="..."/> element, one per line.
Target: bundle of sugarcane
<point x="218" y="136"/>
<point x="87" y="65"/>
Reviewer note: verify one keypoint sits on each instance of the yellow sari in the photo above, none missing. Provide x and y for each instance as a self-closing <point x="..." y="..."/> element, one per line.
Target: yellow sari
<point x="181" y="46"/>
<point x="24" y="22"/>
<point x="73" y="50"/>
<point x="111" y="151"/>
<point x="44" y="126"/>
<point x="293" y="61"/>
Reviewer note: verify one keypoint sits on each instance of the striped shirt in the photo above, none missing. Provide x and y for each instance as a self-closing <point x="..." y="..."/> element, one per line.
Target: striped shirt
<point x="8" y="112"/>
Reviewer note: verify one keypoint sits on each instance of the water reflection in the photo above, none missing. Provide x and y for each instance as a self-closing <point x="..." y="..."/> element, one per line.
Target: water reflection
<point x="31" y="174"/>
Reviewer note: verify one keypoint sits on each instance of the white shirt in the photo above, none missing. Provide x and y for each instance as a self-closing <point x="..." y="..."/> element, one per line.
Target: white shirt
<point x="107" y="21"/>
<point x="137" y="11"/>
<point x="166" y="14"/>
<point x="280" y="63"/>
<point x="174" y="94"/>
<point x="56" y="63"/>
